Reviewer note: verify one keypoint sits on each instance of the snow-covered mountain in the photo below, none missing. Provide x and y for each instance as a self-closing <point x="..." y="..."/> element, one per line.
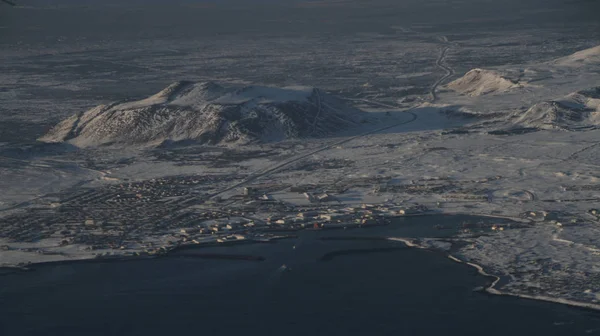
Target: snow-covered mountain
<point x="575" y="111"/>
<point x="212" y="114"/>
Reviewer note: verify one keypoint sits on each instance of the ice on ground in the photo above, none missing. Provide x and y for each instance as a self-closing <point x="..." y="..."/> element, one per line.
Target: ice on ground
<point x="23" y="183"/>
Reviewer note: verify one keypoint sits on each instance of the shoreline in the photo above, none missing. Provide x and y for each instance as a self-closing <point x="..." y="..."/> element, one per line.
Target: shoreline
<point x="408" y="242"/>
<point x="287" y="232"/>
<point x="491" y="288"/>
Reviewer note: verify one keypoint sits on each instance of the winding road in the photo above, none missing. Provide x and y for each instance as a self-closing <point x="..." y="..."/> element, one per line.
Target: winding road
<point x="440" y="64"/>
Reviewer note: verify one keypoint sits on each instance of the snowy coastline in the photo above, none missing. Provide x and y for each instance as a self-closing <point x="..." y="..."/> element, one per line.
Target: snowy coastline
<point x="409" y="242"/>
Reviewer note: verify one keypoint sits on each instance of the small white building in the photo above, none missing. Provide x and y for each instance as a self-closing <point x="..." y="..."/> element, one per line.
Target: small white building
<point x="266" y="197"/>
<point x="325" y="198"/>
<point x="249" y="191"/>
<point x="308" y="214"/>
<point x="310" y="197"/>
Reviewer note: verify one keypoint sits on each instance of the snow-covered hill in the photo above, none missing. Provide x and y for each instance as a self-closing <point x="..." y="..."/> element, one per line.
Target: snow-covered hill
<point x="577" y="110"/>
<point x="479" y="82"/>
<point x="209" y="113"/>
<point x="587" y="56"/>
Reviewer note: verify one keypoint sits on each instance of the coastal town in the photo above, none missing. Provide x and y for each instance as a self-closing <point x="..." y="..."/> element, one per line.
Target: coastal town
<point x="154" y="216"/>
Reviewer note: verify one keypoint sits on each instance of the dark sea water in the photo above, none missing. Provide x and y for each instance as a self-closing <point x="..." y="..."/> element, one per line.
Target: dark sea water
<point x="340" y="286"/>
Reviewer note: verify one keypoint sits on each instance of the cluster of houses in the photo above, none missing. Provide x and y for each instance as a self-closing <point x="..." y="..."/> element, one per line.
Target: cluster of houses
<point x="123" y="216"/>
<point x="367" y="214"/>
<point x="235" y="229"/>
